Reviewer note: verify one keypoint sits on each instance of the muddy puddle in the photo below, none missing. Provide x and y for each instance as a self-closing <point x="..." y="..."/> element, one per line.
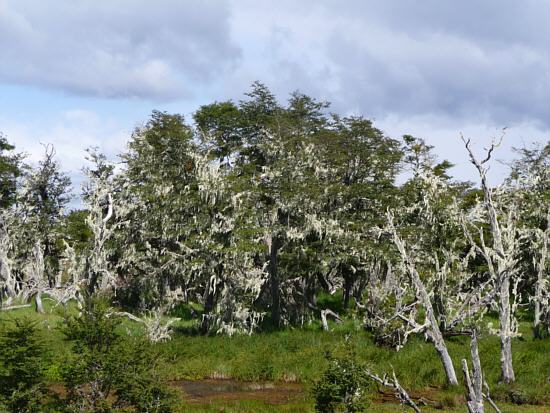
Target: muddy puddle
<point x="201" y="391"/>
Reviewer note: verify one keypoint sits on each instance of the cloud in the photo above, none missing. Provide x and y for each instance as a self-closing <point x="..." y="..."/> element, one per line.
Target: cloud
<point x="429" y="68"/>
<point x="71" y="132"/>
<point x="482" y="62"/>
<point x="124" y="48"/>
<point x="444" y="134"/>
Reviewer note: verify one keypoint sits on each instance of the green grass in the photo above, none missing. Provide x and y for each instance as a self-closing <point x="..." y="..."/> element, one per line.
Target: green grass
<point x="250" y="406"/>
<point x="297" y="355"/>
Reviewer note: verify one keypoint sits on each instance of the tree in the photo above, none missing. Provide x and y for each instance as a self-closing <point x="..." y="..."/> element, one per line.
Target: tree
<point x="44" y="195"/>
<point x="500" y="254"/>
<point x="107" y="371"/>
<point x="155" y="205"/>
<point x="432" y="279"/>
<point x="530" y="178"/>
<point x="306" y="183"/>
<point x="22" y="367"/>
<point x="10" y="171"/>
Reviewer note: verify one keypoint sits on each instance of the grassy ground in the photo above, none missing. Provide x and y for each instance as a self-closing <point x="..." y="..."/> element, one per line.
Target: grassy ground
<point x="297" y="355"/>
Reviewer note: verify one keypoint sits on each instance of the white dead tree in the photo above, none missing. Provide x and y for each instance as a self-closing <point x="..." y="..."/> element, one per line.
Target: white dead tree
<point x="500" y="255"/>
<point x="8" y="282"/>
<point x="36" y="284"/>
<point x="530" y="176"/>
<point x="541" y="297"/>
<point x="430" y="326"/>
<point x="443" y="293"/>
<point x="474" y="381"/>
<point x="98" y="198"/>
<point x="157" y="324"/>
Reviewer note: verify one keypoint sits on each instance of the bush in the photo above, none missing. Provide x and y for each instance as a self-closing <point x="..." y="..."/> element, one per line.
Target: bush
<point x="110" y="372"/>
<point x="22" y="367"/>
<point x="344" y="384"/>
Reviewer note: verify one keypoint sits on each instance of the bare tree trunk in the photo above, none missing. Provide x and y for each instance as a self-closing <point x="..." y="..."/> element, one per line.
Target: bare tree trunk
<point x="349" y="280"/>
<point x="348" y="285"/>
<point x="508" y="375"/>
<point x="503" y="258"/>
<point x="474" y="382"/>
<point x="540" y="266"/>
<point x="39" y="305"/>
<point x="433" y="332"/>
<point x="208" y="307"/>
<point x="324" y="321"/>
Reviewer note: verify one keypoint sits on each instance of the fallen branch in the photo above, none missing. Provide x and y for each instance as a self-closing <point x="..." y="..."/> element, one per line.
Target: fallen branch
<point x="14" y="307"/>
<point x="327" y="312"/>
<point x="400" y="392"/>
<point x="487" y="396"/>
<point x="156" y="330"/>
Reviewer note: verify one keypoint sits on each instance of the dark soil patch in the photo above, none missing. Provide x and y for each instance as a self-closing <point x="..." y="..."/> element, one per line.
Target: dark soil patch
<point x="200" y="391"/>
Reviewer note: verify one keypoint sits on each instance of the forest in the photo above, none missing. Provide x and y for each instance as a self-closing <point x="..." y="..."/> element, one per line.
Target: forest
<point x="279" y="246"/>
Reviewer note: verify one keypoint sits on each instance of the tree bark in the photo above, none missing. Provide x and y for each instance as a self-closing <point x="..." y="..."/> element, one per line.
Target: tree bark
<point x="273" y="246"/>
<point x="505" y="320"/>
<point x="39" y="305"/>
<point x="540" y="266"/>
<point x="473" y="382"/>
<point x="502" y="275"/>
<point x="208" y="307"/>
<point x="433" y="331"/>
<point x="348" y="285"/>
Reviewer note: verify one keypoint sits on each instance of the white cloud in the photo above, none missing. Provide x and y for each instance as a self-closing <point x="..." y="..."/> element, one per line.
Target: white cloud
<point x="123" y="48"/>
<point x="468" y="60"/>
<point x="71" y="132"/>
<point x="444" y="134"/>
<point x="427" y="68"/>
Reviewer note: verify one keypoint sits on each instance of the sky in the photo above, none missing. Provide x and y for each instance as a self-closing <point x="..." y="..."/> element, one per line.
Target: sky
<point x="81" y="73"/>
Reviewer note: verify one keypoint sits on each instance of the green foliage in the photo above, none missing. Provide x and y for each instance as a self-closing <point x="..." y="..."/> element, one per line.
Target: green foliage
<point x="343" y="385"/>
<point x="107" y="371"/>
<point x="22" y="367"/>
<point x="10" y="170"/>
<point x="75" y="230"/>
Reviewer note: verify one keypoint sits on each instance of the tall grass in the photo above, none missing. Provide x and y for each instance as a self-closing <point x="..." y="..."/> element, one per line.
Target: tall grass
<point x="297" y="355"/>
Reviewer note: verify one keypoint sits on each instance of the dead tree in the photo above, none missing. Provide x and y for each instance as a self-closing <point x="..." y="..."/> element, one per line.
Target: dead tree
<point x="541" y="297"/>
<point x="430" y="327"/>
<point x="474" y="381"/>
<point x="326" y="313"/>
<point x="8" y="282"/>
<point x="500" y="256"/>
<point x="36" y="282"/>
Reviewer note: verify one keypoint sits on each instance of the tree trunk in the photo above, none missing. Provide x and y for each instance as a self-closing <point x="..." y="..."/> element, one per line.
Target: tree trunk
<point x="39" y="305"/>
<point x="505" y="315"/>
<point x="348" y="285"/>
<point x="210" y="300"/>
<point x="474" y="382"/>
<point x="273" y="250"/>
<point x="434" y="333"/>
<point x="208" y="307"/>
<point x="540" y="266"/>
<point x="443" y="353"/>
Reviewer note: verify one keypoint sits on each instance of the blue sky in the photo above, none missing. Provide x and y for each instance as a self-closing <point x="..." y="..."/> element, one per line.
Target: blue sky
<point x="77" y="73"/>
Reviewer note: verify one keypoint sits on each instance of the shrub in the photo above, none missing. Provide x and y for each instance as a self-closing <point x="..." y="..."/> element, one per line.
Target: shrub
<point x="21" y="367"/>
<point x="110" y="372"/>
<point x="344" y="384"/>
